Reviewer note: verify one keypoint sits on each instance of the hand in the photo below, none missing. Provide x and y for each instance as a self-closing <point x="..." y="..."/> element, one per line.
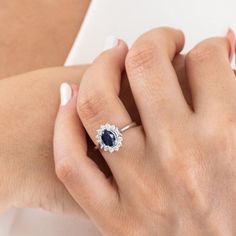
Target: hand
<point x="174" y="176"/>
<point x="26" y="125"/>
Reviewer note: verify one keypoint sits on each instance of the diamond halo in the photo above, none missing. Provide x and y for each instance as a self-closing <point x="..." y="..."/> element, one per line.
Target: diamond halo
<point x="109" y="138"/>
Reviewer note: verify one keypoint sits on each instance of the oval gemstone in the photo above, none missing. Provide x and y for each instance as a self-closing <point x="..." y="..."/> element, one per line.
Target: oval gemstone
<point x="109" y="138"/>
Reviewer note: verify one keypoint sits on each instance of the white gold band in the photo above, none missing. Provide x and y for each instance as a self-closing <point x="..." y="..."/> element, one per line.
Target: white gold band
<point x="132" y="125"/>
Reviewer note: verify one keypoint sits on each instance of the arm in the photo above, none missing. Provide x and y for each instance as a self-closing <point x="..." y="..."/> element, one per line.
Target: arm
<point x="28" y="105"/>
<point x="40" y="33"/>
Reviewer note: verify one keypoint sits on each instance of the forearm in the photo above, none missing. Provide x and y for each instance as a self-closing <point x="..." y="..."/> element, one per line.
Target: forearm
<point x="28" y="105"/>
<point x="37" y="34"/>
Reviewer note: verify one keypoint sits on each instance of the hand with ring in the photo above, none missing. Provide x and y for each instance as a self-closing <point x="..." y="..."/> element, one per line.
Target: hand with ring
<point x="175" y="172"/>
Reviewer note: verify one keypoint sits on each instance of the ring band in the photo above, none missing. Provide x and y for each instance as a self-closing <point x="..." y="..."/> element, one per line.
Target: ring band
<point x="109" y="137"/>
<point x="132" y="125"/>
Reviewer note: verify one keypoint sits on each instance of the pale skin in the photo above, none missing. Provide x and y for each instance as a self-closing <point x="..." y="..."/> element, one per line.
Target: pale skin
<point x="35" y="34"/>
<point x="28" y="107"/>
<point x="23" y="150"/>
<point x="27" y="169"/>
<point x="175" y="175"/>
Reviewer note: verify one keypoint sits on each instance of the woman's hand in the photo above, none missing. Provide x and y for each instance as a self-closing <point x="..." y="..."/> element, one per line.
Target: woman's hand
<point x="28" y="106"/>
<point x="26" y="156"/>
<point x="177" y="174"/>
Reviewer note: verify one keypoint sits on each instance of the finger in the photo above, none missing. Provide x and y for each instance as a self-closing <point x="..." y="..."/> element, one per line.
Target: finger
<point x="83" y="179"/>
<point x="179" y="65"/>
<point x="211" y="78"/>
<point x="153" y="80"/>
<point x="98" y="104"/>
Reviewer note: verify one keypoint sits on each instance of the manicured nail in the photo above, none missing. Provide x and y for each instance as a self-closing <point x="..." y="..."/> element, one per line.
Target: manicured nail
<point x="66" y="93"/>
<point x="231" y="37"/>
<point x="111" y="42"/>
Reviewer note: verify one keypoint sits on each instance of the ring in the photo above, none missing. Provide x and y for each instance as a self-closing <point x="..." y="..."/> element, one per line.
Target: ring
<point x="109" y="137"/>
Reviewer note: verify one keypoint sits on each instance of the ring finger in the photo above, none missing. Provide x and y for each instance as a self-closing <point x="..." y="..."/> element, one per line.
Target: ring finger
<point x="98" y="103"/>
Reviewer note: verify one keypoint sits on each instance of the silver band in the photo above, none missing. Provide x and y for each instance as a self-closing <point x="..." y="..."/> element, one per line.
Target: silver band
<point x="132" y="125"/>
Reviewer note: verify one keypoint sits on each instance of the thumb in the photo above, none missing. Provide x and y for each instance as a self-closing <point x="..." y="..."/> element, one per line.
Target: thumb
<point x="80" y="175"/>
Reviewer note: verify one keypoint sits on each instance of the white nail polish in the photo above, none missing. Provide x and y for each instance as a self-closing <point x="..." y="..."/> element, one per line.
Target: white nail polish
<point x="66" y="93"/>
<point x="111" y="42"/>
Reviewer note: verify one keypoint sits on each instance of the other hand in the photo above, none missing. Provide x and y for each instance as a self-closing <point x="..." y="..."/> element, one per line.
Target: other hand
<point x="175" y="175"/>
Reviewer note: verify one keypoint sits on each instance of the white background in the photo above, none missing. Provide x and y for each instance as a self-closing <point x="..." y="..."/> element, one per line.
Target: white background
<point x="127" y="19"/>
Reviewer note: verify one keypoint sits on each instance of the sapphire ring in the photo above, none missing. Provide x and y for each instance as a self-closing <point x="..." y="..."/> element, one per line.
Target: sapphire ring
<point x="109" y="137"/>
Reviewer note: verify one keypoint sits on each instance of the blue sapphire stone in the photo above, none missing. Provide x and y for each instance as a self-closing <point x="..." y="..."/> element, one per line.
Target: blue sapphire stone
<point x="108" y="138"/>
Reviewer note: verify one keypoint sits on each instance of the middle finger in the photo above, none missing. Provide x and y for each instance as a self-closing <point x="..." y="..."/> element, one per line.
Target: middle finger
<point x="154" y="82"/>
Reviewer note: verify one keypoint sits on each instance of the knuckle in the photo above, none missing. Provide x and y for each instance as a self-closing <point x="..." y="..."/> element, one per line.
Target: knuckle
<point x="140" y="58"/>
<point x="204" y="52"/>
<point x="64" y="170"/>
<point x="89" y="105"/>
<point x="219" y="136"/>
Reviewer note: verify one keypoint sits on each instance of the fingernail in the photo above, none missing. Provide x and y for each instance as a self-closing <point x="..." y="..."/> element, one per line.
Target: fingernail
<point x="231" y="37"/>
<point x="66" y="93"/>
<point x="111" y="42"/>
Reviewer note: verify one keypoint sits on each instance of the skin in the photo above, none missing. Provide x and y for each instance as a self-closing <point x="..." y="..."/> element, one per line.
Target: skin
<point x="37" y="34"/>
<point x="26" y="152"/>
<point x="22" y="151"/>
<point x="175" y="175"/>
<point x="27" y="110"/>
